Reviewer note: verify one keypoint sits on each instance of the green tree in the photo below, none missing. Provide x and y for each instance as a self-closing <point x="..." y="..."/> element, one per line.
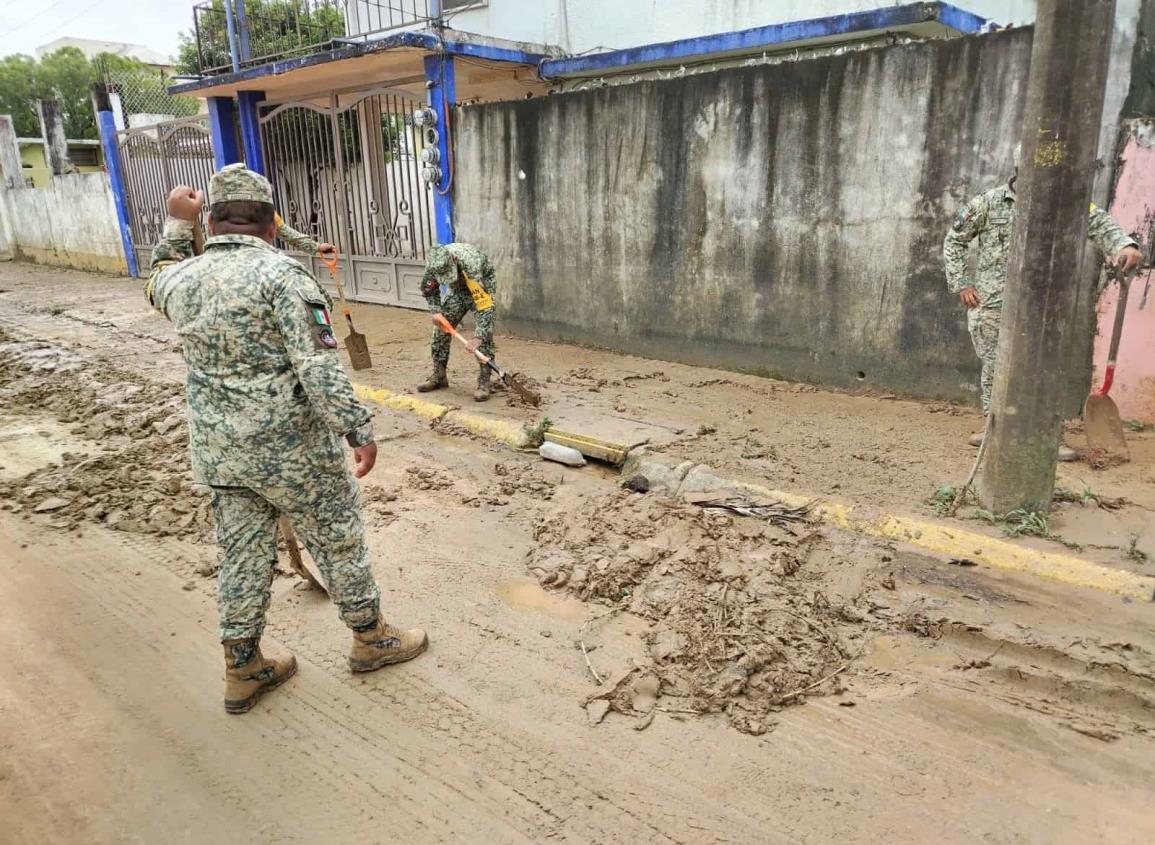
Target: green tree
<point x="276" y="28"/>
<point x="68" y="75"/>
<point x="18" y="93"/>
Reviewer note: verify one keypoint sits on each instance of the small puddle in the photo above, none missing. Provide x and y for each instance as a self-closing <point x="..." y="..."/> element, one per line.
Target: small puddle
<point x="528" y="595"/>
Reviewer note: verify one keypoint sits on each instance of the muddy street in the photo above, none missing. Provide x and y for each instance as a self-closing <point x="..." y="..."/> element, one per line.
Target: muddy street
<point x="605" y="665"/>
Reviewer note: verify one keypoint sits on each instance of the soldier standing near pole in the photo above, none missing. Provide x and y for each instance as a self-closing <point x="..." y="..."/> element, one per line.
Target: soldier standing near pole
<point x="988" y="218"/>
<point x="269" y="407"/>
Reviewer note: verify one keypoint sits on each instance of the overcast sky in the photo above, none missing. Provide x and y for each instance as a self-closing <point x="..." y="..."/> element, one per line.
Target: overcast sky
<point x="26" y="24"/>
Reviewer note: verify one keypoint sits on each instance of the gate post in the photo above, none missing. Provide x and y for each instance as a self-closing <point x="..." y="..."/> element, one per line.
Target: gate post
<point x="222" y="125"/>
<point x="247" y="103"/>
<point x="441" y="80"/>
<point x="106" y="124"/>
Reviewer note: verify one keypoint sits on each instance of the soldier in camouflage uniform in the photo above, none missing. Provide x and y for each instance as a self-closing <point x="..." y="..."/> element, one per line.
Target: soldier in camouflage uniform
<point x="299" y="240"/>
<point x="988" y="218"/>
<point x="268" y="408"/>
<point x="466" y="272"/>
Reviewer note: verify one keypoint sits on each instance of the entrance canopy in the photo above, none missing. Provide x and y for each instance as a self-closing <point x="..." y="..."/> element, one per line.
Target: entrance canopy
<point x="487" y="69"/>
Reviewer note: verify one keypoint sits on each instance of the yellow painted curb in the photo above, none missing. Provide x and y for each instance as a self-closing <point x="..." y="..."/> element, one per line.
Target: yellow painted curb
<point x="1000" y="554"/>
<point x="503" y="431"/>
<point x="400" y="402"/>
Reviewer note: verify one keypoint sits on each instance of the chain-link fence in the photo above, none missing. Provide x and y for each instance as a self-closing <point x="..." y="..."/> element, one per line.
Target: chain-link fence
<point x="144" y="99"/>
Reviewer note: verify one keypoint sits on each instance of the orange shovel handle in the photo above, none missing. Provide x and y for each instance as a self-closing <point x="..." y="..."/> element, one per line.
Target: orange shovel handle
<point x="443" y="324"/>
<point x="329" y="259"/>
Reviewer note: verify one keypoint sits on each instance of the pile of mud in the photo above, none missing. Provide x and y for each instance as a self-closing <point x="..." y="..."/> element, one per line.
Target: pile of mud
<point x="137" y="478"/>
<point x="746" y="617"/>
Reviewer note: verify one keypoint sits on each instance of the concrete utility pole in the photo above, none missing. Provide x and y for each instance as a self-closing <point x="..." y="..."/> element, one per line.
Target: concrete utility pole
<point x="1060" y="136"/>
<point x="55" y="139"/>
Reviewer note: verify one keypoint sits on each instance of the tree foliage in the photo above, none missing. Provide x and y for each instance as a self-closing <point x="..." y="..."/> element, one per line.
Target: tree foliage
<point x="68" y="76"/>
<point x="275" y="28"/>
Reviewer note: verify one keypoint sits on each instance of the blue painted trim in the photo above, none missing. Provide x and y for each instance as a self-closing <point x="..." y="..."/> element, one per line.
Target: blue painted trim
<point x="106" y="124"/>
<point x="961" y="20"/>
<point x="441" y="76"/>
<point x="222" y="125"/>
<point x="760" y="37"/>
<point x="417" y="40"/>
<point x="247" y="105"/>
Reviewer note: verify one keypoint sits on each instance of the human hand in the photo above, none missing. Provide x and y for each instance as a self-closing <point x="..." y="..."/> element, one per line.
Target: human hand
<point x="475" y="344"/>
<point x="364" y="457"/>
<point x="327" y="250"/>
<point x="184" y="203"/>
<point x="969" y="297"/>
<point x="1126" y="259"/>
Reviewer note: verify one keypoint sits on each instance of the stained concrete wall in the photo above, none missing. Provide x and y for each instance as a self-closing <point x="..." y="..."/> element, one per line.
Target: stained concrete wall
<point x="784" y="220"/>
<point x="71" y="222"/>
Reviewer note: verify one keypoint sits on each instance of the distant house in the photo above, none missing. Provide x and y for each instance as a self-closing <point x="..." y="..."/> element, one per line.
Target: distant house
<point x="92" y="48"/>
<point x="86" y="156"/>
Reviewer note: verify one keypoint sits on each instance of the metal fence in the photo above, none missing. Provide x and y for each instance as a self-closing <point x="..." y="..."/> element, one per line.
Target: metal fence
<point x="350" y="174"/>
<point x="265" y="30"/>
<point x="272" y="29"/>
<point x="155" y="159"/>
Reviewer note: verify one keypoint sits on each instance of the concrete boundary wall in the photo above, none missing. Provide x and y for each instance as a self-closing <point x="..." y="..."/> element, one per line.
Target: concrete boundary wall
<point x="71" y="222"/>
<point x="782" y="220"/>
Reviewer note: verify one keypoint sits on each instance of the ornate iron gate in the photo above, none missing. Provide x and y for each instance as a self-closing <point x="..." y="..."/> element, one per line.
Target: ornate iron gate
<point x="155" y="160"/>
<point x="355" y="159"/>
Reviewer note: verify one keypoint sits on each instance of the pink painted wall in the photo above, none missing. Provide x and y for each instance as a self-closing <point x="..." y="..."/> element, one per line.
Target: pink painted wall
<point x="1134" y="208"/>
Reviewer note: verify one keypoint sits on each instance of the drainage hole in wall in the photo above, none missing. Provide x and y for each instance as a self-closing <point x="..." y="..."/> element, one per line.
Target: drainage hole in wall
<point x="860" y="375"/>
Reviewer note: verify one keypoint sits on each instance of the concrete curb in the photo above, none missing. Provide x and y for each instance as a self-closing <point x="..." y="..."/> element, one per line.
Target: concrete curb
<point x="939" y="538"/>
<point x="502" y="431"/>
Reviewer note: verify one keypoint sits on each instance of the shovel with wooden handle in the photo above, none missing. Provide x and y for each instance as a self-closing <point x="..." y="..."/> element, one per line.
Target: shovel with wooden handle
<point x="306" y="570"/>
<point x="512" y="383"/>
<point x="1101" y="420"/>
<point x="355" y="342"/>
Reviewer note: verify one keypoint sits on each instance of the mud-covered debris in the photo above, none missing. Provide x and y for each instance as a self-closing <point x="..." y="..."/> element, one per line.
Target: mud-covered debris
<point x="138" y="479"/>
<point x="427" y="478"/>
<point x="637" y="484"/>
<point x="773" y="512"/>
<point x="731" y="631"/>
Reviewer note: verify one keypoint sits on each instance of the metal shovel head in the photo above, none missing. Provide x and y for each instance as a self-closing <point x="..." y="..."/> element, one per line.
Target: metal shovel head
<point x="521" y="390"/>
<point x="358" y="349"/>
<point x="1104" y="428"/>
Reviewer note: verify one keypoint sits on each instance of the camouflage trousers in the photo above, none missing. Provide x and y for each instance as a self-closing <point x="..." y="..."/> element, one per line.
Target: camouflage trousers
<point x="984" y="328"/>
<point x="455" y="305"/>
<point x="325" y="513"/>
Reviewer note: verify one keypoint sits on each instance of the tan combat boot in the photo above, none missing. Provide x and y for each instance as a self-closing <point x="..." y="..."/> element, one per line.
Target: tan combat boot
<point x="383" y="644"/>
<point x="249" y="674"/>
<point x="482" y="392"/>
<point x="436" y="381"/>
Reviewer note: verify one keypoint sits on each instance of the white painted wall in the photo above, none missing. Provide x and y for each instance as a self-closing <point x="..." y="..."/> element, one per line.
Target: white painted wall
<point x="69" y="223"/>
<point x="581" y="25"/>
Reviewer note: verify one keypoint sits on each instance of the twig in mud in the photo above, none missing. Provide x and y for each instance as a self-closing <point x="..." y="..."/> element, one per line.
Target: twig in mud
<point x="958" y="499"/>
<point x="582" y="641"/>
<point x="819" y="682"/>
<point x="818" y="629"/>
<point x="722" y="607"/>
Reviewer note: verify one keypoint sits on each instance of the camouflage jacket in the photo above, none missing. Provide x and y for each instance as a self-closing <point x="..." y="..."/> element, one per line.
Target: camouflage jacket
<point x="268" y="400"/>
<point x="294" y="239"/>
<point x="474" y="262"/>
<point x="989" y="218"/>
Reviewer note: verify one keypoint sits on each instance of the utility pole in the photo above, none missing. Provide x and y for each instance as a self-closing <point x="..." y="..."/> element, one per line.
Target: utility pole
<point x="1072" y="44"/>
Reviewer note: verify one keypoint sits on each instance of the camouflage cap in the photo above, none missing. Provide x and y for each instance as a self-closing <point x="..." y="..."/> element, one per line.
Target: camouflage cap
<point x="236" y="183"/>
<point x="439" y="263"/>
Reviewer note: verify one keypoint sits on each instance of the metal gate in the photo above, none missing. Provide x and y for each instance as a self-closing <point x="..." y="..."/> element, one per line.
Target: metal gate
<point x="355" y="159"/>
<point x="155" y="160"/>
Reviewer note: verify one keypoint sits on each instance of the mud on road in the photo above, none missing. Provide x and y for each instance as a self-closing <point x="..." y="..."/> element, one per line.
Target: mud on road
<point x="607" y="665"/>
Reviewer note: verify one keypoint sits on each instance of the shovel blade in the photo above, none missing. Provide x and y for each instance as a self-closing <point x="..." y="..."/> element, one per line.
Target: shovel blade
<point x="521" y="390"/>
<point x="358" y="349"/>
<point x="1104" y="427"/>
